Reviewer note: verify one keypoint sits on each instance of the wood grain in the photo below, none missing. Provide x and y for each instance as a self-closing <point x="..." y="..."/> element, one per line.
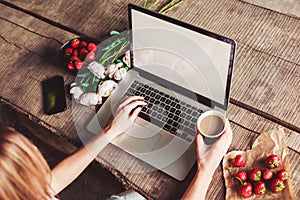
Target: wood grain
<point x="268" y="84"/>
<point x="287" y="7"/>
<point x="266" y="73"/>
<point x="268" y="31"/>
<point x="29" y="51"/>
<point x="258" y="124"/>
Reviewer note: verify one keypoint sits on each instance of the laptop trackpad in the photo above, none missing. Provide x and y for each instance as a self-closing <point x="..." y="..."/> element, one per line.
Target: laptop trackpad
<point x="136" y="145"/>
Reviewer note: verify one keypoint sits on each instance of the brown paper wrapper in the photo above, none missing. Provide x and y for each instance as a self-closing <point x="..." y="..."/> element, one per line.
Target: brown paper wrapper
<point x="271" y="142"/>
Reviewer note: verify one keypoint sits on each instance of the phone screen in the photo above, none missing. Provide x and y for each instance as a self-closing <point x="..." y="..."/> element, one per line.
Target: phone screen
<point x="54" y="95"/>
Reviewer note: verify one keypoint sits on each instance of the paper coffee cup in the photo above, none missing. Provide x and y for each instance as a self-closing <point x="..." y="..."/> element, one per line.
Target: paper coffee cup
<point x="211" y="124"/>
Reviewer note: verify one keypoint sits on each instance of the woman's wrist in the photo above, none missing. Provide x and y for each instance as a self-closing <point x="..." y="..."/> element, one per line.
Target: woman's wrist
<point x="205" y="171"/>
<point x="109" y="133"/>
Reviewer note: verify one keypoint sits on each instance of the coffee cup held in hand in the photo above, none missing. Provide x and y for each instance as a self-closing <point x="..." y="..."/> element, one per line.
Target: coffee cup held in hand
<point x="211" y="125"/>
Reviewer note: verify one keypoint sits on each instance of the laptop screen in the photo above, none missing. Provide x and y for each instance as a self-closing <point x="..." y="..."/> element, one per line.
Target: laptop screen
<point x="192" y="58"/>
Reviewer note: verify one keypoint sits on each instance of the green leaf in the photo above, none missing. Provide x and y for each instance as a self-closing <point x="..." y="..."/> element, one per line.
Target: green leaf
<point x="81" y="81"/>
<point x="84" y="85"/>
<point x="169" y="7"/>
<point x="95" y="88"/>
<point x="83" y="75"/>
<point x="104" y="56"/>
<point x="87" y="80"/>
<point x="116" y="53"/>
<point x="113" y="32"/>
<point x="154" y="4"/>
<point x="106" y="48"/>
<point x="109" y="50"/>
<point x="112" y="45"/>
<point x="95" y="80"/>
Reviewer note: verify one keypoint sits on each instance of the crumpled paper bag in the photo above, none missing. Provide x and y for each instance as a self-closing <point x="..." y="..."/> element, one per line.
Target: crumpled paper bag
<point x="271" y="142"/>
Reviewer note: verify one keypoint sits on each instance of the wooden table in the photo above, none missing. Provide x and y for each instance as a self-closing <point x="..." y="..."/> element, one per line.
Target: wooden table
<point x="265" y="86"/>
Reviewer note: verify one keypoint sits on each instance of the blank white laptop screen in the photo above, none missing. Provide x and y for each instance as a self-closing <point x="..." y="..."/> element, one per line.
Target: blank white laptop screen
<point x="182" y="56"/>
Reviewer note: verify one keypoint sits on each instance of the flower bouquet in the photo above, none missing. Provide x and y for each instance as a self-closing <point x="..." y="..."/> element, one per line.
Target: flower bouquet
<point x="99" y="67"/>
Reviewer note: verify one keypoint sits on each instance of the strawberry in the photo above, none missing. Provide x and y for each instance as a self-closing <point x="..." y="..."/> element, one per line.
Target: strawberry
<point x="241" y="176"/>
<point x="92" y="46"/>
<point x="255" y="174"/>
<point x="238" y="161"/>
<point x="83" y="51"/>
<point x="282" y="175"/>
<point x="276" y="185"/>
<point x="68" y="51"/>
<point x="83" y="44"/>
<point x="70" y="66"/>
<point x="273" y="161"/>
<point x="78" y="64"/>
<point x="75" y="43"/>
<point x="75" y="52"/>
<point x="259" y="187"/>
<point x="245" y="189"/>
<point x="73" y="58"/>
<point x="90" y="55"/>
<point x="267" y="174"/>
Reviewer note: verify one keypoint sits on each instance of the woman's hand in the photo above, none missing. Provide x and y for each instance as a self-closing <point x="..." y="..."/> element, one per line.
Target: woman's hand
<point x="207" y="164"/>
<point x="212" y="158"/>
<point x="125" y="115"/>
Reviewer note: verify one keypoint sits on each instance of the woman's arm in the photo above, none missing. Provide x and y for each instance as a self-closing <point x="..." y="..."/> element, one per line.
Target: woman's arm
<point x="207" y="165"/>
<point x="71" y="167"/>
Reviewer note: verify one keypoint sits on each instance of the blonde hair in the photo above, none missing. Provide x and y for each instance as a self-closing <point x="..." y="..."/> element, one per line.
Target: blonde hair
<point x="24" y="173"/>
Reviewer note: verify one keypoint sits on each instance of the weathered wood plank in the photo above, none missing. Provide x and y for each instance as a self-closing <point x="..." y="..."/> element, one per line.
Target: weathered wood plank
<point x="266" y="73"/>
<point x="287" y="7"/>
<point x="268" y="31"/>
<point x="92" y="18"/>
<point x="12" y="114"/>
<point x="29" y="51"/>
<point x="25" y="44"/>
<point x="268" y="84"/>
<point x="258" y="124"/>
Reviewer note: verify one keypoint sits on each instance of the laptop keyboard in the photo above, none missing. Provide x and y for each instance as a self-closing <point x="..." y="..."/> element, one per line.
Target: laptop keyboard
<point x="165" y="111"/>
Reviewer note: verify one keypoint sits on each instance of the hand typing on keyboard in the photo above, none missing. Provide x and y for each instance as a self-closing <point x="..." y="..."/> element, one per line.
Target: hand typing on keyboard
<point x="165" y="111"/>
<point x="125" y="114"/>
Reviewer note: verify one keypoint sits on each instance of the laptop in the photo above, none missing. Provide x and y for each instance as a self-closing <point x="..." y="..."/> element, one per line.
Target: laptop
<point x="182" y="71"/>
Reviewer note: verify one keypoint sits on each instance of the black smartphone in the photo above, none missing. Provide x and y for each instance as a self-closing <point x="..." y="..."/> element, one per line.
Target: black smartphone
<point x="54" y="95"/>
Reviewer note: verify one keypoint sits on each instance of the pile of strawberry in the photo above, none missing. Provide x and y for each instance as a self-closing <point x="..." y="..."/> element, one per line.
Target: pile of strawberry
<point x="257" y="180"/>
<point x="77" y="51"/>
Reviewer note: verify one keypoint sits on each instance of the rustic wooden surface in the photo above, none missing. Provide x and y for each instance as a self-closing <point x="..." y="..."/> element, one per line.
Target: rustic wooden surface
<point x="288" y="7"/>
<point x="265" y="87"/>
<point x="270" y="42"/>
